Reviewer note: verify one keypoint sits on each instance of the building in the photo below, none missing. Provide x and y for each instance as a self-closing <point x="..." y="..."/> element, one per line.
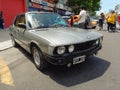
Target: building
<point x="40" y="5"/>
<point x="62" y="7"/>
<point x="117" y="8"/>
<point x="11" y="8"/>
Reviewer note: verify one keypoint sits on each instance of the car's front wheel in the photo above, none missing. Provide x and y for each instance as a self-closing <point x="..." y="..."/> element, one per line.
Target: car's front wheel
<point x="38" y="58"/>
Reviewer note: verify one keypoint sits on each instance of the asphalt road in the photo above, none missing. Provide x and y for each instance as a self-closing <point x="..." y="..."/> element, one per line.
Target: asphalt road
<point x="100" y="72"/>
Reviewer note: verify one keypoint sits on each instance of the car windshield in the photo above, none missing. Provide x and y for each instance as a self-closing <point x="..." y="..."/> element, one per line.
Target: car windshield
<point x="45" y="20"/>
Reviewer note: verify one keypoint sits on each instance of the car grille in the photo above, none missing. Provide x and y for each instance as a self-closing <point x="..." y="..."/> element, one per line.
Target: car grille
<point x="84" y="46"/>
<point x="80" y="47"/>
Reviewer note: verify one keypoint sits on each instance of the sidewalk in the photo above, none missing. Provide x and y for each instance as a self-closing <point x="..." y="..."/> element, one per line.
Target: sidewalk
<point x="5" y="45"/>
<point x="5" y="41"/>
<point x="4" y="35"/>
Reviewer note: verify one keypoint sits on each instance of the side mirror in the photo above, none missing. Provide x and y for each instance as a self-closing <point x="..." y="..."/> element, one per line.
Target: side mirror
<point x="22" y="25"/>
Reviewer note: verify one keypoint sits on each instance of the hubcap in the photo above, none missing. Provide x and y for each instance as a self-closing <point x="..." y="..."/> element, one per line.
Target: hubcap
<point x="36" y="56"/>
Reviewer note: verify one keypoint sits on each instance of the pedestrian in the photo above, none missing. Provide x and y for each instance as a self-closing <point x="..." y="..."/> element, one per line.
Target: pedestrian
<point x="118" y="19"/>
<point x="87" y="22"/>
<point x="70" y="21"/>
<point x="111" y="20"/>
<point x="1" y="21"/>
<point x="101" y="21"/>
<point x="82" y="17"/>
<point x="107" y="17"/>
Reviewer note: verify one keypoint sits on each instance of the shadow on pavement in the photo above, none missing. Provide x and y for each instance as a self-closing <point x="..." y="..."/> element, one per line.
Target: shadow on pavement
<point x="77" y="74"/>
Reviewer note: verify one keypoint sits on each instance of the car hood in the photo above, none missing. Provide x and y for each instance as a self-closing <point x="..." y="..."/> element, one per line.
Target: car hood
<point x="66" y="35"/>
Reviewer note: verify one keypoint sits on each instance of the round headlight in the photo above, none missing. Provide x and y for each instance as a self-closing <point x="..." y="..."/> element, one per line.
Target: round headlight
<point x="101" y="39"/>
<point x="61" y="50"/>
<point x="71" y="48"/>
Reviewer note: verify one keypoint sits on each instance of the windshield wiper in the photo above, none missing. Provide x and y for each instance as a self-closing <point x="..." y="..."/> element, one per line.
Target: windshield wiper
<point x="59" y="25"/>
<point x="39" y="27"/>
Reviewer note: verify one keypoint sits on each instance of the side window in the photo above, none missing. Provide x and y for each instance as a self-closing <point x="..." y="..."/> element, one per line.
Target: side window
<point x="19" y="19"/>
<point x="16" y="21"/>
<point x="22" y="19"/>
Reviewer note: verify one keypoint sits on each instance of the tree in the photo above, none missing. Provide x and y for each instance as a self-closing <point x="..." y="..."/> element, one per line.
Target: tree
<point x="90" y="5"/>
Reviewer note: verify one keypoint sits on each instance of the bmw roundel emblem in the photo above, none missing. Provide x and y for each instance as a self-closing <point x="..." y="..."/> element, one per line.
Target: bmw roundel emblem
<point x="88" y="37"/>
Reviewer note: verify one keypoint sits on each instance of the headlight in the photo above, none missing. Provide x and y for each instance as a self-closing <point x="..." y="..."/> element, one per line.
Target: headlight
<point x="97" y="42"/>
<point x="61" y="50"/>
<point x="71" y="48"/>
<point x="101" y="39"/>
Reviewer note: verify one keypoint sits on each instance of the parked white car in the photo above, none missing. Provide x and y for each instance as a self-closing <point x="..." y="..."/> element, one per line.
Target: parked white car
<point x="49" y="39"/>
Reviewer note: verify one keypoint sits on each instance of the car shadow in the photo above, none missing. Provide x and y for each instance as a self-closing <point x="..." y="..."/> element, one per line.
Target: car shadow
<point x="91" y="69"/>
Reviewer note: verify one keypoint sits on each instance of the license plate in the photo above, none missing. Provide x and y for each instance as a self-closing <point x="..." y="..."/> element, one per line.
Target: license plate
<point x="79" y="59"/>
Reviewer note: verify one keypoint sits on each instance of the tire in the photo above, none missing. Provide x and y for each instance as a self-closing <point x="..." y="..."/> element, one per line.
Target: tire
<point x="38" y="58"/>
<point x="94" y="27"/>
<point x="14" y="43"/>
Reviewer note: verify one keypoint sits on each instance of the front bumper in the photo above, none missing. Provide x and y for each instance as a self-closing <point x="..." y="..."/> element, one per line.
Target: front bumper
<point x="68" y="58"/>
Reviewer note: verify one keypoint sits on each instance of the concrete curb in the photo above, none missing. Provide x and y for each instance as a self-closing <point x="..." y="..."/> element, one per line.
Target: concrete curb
<point x="5" y="45"/>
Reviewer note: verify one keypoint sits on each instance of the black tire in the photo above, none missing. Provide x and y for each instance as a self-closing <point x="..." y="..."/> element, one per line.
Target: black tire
<point x="38" y="58"/>
<point x="94" y="27"/>
<point x="14" y="43"/>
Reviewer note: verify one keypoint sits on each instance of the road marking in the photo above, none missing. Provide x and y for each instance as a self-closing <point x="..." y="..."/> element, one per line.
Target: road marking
<point x="5" y="74"/>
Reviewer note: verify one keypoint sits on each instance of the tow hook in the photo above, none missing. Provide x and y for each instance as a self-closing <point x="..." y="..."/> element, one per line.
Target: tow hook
<point x="69" y="65"/>
<point x="96" y="53"/>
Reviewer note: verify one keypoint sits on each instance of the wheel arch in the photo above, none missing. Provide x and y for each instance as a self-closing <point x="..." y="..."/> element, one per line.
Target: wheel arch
<point x="34" y="43"/>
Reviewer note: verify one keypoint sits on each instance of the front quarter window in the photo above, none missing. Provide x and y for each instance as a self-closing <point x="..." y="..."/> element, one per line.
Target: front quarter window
<point x="16" y="21"/>
<point x="20" y="21"/>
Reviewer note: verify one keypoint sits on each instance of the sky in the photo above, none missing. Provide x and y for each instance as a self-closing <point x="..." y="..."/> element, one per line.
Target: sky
<point x="107" y="5"/>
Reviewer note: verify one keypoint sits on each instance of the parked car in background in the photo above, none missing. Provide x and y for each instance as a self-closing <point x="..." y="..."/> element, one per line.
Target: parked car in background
<point x="95" y="19"/>
<point x="66" y="18"/>
<point x="91" y="23"/>
<point x="49" y="39"/>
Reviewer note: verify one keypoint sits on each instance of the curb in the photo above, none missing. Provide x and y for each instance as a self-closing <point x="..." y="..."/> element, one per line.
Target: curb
<point x="5" y="45"/>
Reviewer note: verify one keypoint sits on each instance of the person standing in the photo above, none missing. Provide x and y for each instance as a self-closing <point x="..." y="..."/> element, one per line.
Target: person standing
<point x="111" y="20"/>
<point x="70" y="21"/>
<point x="118" y="19"/>
<point x="101" y="21"/>
<point x="82" y="17"/>
<point x="1" y="21"/>
<point x="108" y="24"/>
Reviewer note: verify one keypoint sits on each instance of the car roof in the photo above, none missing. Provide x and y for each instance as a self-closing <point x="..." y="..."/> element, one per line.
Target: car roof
<point x="38" y="12"/>
<point x="34" y="12"/>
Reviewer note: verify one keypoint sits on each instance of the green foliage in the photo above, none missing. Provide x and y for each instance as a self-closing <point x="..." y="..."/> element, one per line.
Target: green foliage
<point x="90" y="5"/>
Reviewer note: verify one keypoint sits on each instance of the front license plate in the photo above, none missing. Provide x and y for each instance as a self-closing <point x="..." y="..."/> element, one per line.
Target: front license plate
<point x="79" y="59"/>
